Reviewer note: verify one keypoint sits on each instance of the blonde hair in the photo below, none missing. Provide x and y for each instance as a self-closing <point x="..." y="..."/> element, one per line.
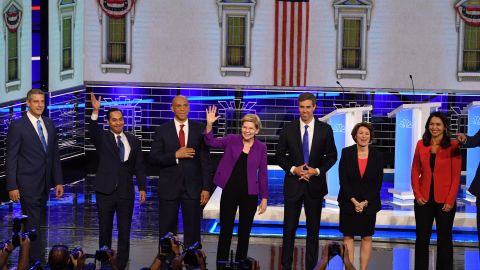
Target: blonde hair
<point x="253" y="118"/>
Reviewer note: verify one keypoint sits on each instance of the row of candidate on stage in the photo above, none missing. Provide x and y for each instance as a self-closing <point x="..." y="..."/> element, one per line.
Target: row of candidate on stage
<point x="180" y="150"/>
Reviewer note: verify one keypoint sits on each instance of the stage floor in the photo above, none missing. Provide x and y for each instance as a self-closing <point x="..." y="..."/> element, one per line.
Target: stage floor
<point x="73" y="221"/>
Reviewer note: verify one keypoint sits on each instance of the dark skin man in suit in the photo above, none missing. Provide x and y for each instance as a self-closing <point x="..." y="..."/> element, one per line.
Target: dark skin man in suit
<point x="183" y="159"/>
<point x="305" y="151"/>
<point x="120" y="157"/>
<point x="33" y="166"/>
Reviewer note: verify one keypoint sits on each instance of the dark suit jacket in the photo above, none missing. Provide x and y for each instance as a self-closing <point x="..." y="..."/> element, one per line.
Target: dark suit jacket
<point x="113" y="174"/>
<point x="190" y="175"/>
<point x="474" y="141"/>
<point x="323" y="155"/>
<point x="29" y="168"/>
<point x="352" y="185"/>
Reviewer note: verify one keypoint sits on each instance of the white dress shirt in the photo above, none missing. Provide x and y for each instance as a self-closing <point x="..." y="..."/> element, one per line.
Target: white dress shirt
<point x="34" y="120"/>
<point x="124" y="139"/>
<point x="185" y="130"/>
<point x="311" y="127"/>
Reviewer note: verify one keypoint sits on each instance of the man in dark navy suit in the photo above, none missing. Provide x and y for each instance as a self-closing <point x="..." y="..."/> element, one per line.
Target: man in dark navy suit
<point x="120" y="157"/>
<point x="305" y="151"/>
<point x="33" y="166"/>
<point x="184" y="180"/>
<point x="471" y="142"/>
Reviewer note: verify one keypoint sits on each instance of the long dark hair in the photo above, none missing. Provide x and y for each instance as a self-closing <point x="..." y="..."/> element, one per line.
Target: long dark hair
<point x="427" y="136"/>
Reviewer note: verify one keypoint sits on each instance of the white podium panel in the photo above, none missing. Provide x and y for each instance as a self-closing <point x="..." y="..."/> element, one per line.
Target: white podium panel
<point x="409" y="127"/>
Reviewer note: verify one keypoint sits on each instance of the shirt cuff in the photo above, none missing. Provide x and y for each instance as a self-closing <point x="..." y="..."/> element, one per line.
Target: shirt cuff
<point x="292" y="169"/>
<point x="318" y="171"/>
<point x="94" y="116"/>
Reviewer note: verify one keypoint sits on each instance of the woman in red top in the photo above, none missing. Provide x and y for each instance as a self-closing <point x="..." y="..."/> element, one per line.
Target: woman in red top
<point x="361" y="174"/>
<point x="436" y="171"/>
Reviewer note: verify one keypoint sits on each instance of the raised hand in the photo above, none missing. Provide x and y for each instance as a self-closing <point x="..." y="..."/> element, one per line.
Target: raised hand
<point x="462" y="138"/>
<point x="211" y="112"/>
<point x="95" y="102"/>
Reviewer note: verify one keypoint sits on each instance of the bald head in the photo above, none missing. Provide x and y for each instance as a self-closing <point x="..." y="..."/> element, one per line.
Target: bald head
<point x="180" y="108"/>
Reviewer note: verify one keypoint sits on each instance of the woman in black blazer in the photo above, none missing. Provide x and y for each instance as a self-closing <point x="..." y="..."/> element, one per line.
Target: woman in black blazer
<point x="361" y="174"/>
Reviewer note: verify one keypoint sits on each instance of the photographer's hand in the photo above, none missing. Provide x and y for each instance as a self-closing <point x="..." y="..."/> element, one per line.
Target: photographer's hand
<point x="23" y="260"/>
<point x="177" y="263"/>
<point x="5" y="252"/>
<point x="112" y="259"/>
<point x="322" y="265"/>
<point x="79" y="263"/>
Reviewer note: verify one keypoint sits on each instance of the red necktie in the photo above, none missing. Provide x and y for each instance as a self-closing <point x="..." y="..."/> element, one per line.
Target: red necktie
<point x="181" y="136"/>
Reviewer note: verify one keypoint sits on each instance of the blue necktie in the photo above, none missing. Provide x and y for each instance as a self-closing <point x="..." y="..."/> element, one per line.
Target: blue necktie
<point x="40" y="134"/>
<point x="306" y="154"/>
<point x="121" y="148"/>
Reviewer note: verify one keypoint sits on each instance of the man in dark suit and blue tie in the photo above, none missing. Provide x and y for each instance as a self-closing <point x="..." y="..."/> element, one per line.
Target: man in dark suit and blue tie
<point x="120" y="157"/>
<point x="471" y="142"/>
<point x="33" y="166"/>
<point x="184" y="178"/>
<point x="305" y="151"/>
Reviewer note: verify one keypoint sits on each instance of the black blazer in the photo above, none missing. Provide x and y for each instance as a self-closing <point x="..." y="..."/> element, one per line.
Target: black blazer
<point x="112" y="173"/>
<point x="190" y="175"/>
<point x="361" y="188"/>
<point x="28" y="166"/>
<point x="323" y="155"/>
<point x="474" y="141"/>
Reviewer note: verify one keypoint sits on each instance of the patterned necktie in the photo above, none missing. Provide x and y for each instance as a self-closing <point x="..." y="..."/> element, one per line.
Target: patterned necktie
<point x="40" y="134"/>
<point x="306" y="154"/>
<point x="181" y="136"/>
<point x="121" y="148"/>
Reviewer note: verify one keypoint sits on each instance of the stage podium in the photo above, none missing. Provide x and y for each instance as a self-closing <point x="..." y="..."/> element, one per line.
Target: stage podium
<point x="342" y="122"/>
<point x="409" y="127"/>
<point x="473" y="154"/>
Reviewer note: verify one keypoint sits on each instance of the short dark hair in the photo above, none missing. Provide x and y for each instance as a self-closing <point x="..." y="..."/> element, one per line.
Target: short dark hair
<point x="307" y="96"/>
<point x="58" y="257"/>
<point x="427" y="136"/>
<point x="113" y="110"/>
<point x="34" y="91"/>
<point x="358" y="126"/>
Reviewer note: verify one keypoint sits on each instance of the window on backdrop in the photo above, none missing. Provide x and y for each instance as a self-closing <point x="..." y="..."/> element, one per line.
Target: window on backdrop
<point x="117" y="44"/>
<point x="352" y="22"/>
<point x="351" y="48"/>
<point x="236" y="41"/>
<point x="12" y="56"/>
<point x="67" y="43"/>
<point x="471" y="50"/>
<point x="236" y="18"/>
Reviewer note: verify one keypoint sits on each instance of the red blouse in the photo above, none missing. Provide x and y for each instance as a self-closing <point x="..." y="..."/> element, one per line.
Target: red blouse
<point x="362" y="165"/>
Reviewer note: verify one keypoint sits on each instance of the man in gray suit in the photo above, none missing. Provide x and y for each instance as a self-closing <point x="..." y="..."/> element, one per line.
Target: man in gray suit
<point x="33" y="166"/>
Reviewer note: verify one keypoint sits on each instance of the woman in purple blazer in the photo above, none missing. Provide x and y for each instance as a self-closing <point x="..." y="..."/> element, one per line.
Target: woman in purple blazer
<point x="242" y="174"/>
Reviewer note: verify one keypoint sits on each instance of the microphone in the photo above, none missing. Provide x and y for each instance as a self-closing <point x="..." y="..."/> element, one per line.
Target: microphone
<point x="343" y="92"/>
<point x="413" y="87"/>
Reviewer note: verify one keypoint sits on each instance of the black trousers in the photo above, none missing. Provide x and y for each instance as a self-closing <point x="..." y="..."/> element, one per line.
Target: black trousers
<point x="424" y="216"/>
<point x="35" y="208"/>
<point x="168" y="218"/>
<point x="291" y="215"/>
<point x="247" y="206"/>
<point x="108" y="205"/>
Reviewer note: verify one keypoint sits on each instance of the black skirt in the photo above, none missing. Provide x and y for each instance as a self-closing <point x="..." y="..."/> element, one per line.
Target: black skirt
<point x="357" y="224"/>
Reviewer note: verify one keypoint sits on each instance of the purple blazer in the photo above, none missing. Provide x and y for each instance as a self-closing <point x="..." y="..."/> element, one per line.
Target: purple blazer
<point x="256" y="162"/>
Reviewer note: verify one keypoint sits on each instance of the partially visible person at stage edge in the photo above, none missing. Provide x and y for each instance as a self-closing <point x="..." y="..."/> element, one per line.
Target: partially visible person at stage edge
<point x="361" y="174"/>
<point x="120" y="157"/>
<point x="436" y="169"/>
<point x="184" y="176"/>
<point x="305" y="151"/>
<point x="471" y="142"/>
<point x="33" y="166"/>
<point x="242" y="174"/>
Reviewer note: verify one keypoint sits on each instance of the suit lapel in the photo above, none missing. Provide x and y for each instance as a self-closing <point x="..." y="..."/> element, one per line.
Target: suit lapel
<point x="113" y="142"/>
<point x="131" y="142"/>
<point x="315" y="141"/>
<point x="354" y="159"/>
<point x="191" y="134"/>
<point x="172" y="134"/>
<point x="298" y="136"/>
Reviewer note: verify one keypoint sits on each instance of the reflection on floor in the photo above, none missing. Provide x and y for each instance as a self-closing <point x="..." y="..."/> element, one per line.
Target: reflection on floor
<point x="72" y="221"/>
